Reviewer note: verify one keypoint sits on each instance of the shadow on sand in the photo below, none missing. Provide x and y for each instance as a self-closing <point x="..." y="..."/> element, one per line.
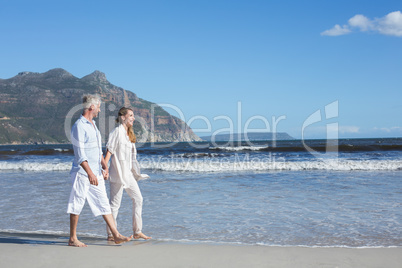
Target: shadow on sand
<point x="59" y="240"/>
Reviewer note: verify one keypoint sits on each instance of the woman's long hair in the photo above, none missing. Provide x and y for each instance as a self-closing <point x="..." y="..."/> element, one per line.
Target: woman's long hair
<point x="122" y="112"/>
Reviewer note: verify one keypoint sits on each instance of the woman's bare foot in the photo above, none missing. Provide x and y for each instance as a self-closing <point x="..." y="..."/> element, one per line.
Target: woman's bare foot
<point x="110" y="238"/>
<point x="121" y="239"/>
<point x="76" y="243"/>
<point x="141" y="235"/>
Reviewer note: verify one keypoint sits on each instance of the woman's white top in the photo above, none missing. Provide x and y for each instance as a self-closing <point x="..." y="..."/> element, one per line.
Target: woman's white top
<point x="124" y="167"/>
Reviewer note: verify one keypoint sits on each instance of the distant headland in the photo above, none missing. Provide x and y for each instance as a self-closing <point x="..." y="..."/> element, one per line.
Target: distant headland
<point x="249" y="136"/>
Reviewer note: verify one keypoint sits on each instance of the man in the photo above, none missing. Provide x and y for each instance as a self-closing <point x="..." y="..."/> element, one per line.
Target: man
<point x="88" y="172"/>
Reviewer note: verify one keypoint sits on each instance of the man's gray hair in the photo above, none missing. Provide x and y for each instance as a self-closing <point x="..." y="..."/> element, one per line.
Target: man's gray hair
<point x="89" y="99"/>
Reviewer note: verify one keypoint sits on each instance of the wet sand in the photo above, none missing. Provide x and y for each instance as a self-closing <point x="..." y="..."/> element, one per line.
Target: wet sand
<point x="39" y="251"/>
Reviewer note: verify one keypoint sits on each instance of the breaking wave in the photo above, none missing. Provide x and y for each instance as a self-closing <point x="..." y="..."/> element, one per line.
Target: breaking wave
<point x="35" y="166"/>
<point x="226" y="165"/>
<point x="230" y="166"/>
<point x="239" y="148"/>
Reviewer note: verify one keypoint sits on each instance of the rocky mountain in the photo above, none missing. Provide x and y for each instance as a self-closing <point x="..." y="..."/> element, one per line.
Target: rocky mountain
<point x="41" y="108"/>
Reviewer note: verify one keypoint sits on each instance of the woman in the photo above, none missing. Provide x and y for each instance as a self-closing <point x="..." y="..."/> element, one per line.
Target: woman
<point x="124" y="171"/>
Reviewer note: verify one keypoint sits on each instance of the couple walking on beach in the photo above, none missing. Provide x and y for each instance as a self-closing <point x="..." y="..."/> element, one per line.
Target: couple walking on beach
<point x="90" y="169"/>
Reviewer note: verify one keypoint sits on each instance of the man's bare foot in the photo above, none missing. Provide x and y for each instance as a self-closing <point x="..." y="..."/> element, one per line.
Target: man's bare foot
<point x="122" y="239"/>
<point x="110" y="238"/>
<point x="141" y="235"/>
<point x="76" y="243"/>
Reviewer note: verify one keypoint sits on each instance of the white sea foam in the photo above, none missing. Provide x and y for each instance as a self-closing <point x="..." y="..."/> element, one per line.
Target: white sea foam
<point x="61" y="150"/>
<point x="36" y="232"/>
<point x="35" y="166"/>
<point x="198" y="155"/>
<point x="62" y="235"/>
<point x="225" y="165"/>
<point x="239" y="148"/>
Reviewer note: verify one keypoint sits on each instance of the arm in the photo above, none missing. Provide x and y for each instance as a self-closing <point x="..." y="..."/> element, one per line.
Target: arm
<point x="105" y="168"/>
<point x="108" y="155"/>
<point x="77" y="139"/>
<point x="110" y="149"/>
<point x="91" y="176"/>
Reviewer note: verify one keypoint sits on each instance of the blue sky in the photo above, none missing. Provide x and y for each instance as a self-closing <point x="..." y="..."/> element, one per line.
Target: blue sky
<point x="278" y="61"/>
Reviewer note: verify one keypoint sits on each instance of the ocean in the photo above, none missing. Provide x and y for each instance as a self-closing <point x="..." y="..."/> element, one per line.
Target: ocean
<point x="314" y="193"/>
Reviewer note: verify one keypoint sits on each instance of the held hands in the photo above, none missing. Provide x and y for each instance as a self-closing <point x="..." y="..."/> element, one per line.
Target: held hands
<point x="105" y="173"/>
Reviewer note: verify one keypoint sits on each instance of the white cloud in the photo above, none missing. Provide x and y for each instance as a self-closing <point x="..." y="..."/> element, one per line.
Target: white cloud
<point x="337" y="30"/>
<point x="389" y="130"/>
<point x="348" y="129"/>
<point x="391" y="24"/>
<point x="361" y="22"/>
<point x="332" y="130"/>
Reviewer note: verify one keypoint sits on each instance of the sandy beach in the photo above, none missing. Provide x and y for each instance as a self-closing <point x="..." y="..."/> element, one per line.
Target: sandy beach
<point x="39" y="251"/>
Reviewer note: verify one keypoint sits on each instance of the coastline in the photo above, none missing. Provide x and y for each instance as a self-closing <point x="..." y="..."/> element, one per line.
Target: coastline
<point x="51" y="251"/>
